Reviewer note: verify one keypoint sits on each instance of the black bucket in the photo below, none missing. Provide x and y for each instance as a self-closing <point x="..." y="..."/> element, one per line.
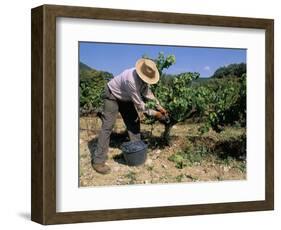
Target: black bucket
<point x="134" y="152"/>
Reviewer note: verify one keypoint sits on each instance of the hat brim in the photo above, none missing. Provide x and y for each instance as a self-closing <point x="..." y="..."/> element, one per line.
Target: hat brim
<point x="148" y="80"/>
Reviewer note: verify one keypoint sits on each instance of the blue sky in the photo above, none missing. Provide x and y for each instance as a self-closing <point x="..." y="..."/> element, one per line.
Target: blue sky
<point x="114" y="58"/>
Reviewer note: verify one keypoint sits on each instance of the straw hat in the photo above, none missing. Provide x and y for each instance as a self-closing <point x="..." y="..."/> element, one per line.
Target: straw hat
<point x="147" y="71"/>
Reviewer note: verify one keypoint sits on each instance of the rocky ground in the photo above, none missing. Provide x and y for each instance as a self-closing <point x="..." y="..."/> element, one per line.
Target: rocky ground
<point x="161" y="165"/>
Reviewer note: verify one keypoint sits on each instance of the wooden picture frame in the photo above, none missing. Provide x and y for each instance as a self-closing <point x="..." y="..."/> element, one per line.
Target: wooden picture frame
<point x="43" y="188"/>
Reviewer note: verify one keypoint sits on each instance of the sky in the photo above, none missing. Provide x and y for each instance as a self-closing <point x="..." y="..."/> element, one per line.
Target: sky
<point x="115" y="58"/>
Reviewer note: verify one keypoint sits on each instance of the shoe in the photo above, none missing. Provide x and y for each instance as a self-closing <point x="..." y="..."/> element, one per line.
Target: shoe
<point x="101" y="168"/>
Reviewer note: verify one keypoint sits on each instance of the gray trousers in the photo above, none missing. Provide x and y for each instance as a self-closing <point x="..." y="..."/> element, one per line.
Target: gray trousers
<point x="112" y="107"/>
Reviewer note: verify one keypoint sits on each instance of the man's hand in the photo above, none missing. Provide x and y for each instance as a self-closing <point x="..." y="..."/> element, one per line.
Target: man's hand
<point x="164" y="119"/>
<point x="163" y="111"/>
<point x="159" y="116"/>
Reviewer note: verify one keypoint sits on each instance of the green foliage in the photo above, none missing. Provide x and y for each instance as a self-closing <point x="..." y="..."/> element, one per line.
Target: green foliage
<point x="227" y="148"/>
<point x="217" y="102"/>
<point x="83" y="66"/>
<point x="172" y="91"/>
<point x="151" y="104"/>
<point x="189" y="156"/>
<point x="162" y="62"/>
<point x="131" y="176"/>
<point x="180" y="177"/>
<point x="231" y="70"/>
<point x="242" y="166"/>
<point x="179" y="160"/>
<point x="178" y="99"/>
<point x="224" y="103"/>
<point x="91" y="88"/>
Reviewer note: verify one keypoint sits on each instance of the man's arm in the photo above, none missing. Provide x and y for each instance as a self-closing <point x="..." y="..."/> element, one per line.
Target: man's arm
<point x="147" y="93"/>
<point x="137" y="100"/>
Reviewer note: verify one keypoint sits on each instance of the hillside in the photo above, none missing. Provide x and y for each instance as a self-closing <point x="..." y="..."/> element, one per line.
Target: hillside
<point x="87" y="72"/>
<point x="83" y="66"/>
<point x="91" y="86"/>
<point x="232" y="70"/>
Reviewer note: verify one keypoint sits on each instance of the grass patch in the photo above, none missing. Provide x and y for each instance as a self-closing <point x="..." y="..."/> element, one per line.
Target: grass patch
<point x="241" y="166"/>
<point x="225" y="161"/>
<point x="189" y="156"/>
<point x="131" y="176"/>
<point x="180" y="177"/>
<point x="150" y="168"/>
<point x="193" y="178"/>
<point x="227" y="148"/>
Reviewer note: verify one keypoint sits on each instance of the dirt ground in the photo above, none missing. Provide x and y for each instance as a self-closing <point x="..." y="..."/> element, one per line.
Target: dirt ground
<point x="158" y="168"/>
